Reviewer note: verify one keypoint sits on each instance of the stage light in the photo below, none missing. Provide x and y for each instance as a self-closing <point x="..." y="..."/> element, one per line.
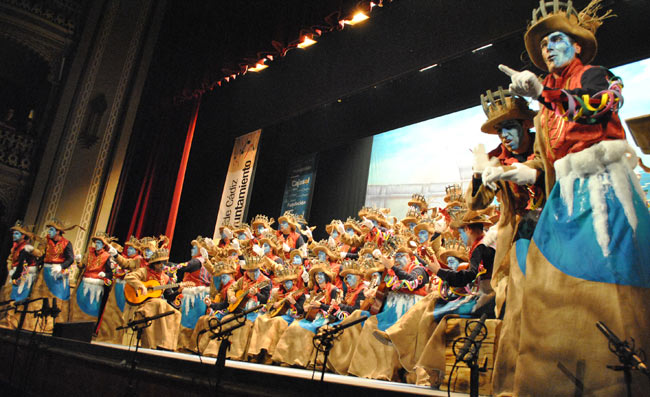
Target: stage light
<point x="259" y="66"/>
<point x="429" y="67"/>
<point x="358" y="17"/>
<point x="481" y="48"/>
<point x="306" y="42"/>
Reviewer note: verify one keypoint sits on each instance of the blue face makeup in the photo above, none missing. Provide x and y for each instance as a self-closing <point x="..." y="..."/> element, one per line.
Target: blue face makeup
<point x="225" y="278"/>
<point x="374" y="223"/>
<point x="368" y="255"/>
<point x="322" y="256"/>
<point x="253" y="274"/>
<point x="260" y="229"/>
<point x="401" y="258"/>
<point x="51" y="232"/>
<point x="412" y="225"/>
<point x="423" y="236"/>
<point x="99" y="245"/>
<point x="349" y="231"/>
<point x="320" y="278"/>
<point x="266" y="247"/>
<point x="223" y="236"/>
<point x="147" y="253"/>
<point x="510" y="134"/>
<point x="242" y="236"/>
<point x="557" y="50"/>
<point x="453" y="262"/>
<point x="334" y="234"/>
<point x="463" y="235"/>
<point x="130" y="251"/>
<point x="296" y="260"/>
<point x="16" y="235"/>
<point x="194" y="251"/>
<point x="352" y="280"/>
<point x="284" y="225"/>
<point x="288" y="284"/>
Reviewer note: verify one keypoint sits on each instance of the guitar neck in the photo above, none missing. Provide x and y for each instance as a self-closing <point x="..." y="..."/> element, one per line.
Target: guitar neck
<point x="166" y="286"/>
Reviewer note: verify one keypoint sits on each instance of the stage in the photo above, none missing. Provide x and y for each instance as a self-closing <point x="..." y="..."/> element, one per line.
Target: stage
<point x="43" y="364"/>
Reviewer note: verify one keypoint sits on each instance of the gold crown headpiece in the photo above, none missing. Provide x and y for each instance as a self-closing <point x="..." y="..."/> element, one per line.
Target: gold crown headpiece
<point x="159" y="255"/>
<point x="263" y="219"/>
<point x="453" y="193"/>
<point x="501" y="105"/>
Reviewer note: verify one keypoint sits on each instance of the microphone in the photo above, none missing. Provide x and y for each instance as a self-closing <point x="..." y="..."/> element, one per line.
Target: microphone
<point x="54" y="311"/>
<point x="339" y="327"/>
<point x="470" y="341"/>
<point x="45" y="309"/>
<point x="3" y="303"/>
<point x="622" y="349"/>
<point x="241" y="314"/>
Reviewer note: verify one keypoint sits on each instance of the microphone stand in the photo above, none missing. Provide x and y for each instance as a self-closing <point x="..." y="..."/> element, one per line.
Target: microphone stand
<point x="323" y="341"/>
<point x="138" y="326"/>
<point x="627" y="355"/>
<point x="223" y="335"/>
<point x="470" y="351"/>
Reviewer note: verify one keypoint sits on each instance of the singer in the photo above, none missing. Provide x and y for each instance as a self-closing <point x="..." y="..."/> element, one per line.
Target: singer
<point x="163" y="333"/>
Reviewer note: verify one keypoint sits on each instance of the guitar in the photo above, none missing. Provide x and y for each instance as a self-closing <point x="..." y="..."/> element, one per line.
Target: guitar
<point x="282" y="308"/>
<point x="311" y="313"/>
<point x="154" y="290"/>
<point x="241" y="296"/>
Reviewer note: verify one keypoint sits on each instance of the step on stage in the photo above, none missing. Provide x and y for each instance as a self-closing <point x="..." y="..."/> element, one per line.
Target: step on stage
<point x="45" y="365"/>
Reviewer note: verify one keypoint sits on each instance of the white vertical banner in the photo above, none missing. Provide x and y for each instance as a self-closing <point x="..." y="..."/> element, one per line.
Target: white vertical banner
<point x="234" y="199"/>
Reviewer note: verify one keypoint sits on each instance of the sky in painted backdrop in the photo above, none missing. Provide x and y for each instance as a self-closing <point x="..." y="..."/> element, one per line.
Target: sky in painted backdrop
<point x="435" y="150"/>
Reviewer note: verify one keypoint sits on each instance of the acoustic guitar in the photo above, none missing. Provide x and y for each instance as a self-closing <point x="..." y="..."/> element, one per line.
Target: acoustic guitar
<point x="283" y="307"/>
<point x="376" y="303"/>
<point x="311" y="313"/>
<point x="241" y="296"/>
<point x="154" y="290"/>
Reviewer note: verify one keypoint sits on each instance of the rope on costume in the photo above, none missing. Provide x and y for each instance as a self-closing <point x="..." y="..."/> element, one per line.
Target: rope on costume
<point x="590" y="109"/>
<point x="394" y="283"/>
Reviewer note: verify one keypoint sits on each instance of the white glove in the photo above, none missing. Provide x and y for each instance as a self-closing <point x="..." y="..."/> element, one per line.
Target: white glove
<point x="55" y="271"/>
<point x="204" y="253"/>
<point x="480" y="161"/>
<point x="339" y="227"/>
<point x="367" y="223"/>
<point x="331" y="241"/>
<point x="248" y="234"/>
<point x="285" y="247"/>
<point x="258" y="250"/>
<point x="376" y="253"/>
<point x="343" y="254"/>
<point x="523" y="83"/>
<point x="521" y="174"/>
<point x="29" y="248"/>
<point x="235" y="243"/>
<point x="77" y="258"/>
<point x="305" y="277"/>
<point x="113" y="264"/>
<point x="12" y="271"/>
<point x="102" y="275"/>
<point x="491" y="174"/>
<point x="227" y="232"/>
<point x="307" y="232"/>
<point x="112" y="251"/>
<point x="440" y="225"/>
<point x="209" y="242"/>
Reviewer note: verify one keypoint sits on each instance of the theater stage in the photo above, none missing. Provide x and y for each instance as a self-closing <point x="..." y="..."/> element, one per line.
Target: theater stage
<point x="46" y="365"/>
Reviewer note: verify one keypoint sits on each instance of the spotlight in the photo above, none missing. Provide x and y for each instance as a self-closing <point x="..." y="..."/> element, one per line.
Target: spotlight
<point x="358" y="17"/>
<point x="259" y="66"/>
<point x="306" y="42"/>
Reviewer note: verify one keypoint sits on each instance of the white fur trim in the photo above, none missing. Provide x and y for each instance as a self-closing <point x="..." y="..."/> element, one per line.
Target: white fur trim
<point x="190" y="294"/>
<point x="95" y="287"/>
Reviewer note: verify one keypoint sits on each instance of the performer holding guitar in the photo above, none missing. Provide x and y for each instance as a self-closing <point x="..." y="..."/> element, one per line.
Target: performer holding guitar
<point x="163" y="333"/>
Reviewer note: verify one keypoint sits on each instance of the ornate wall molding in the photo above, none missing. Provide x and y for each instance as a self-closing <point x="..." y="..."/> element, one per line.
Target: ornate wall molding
<point x="111" y="125"/>
<point x="72" y="133"/>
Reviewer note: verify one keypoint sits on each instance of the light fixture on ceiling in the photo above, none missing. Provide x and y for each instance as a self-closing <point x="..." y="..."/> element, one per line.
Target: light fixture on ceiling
<point x="357" y="18"/>
<point x="259" y="66"/>
<point x="481" y="48"/>
<point x="428" y="67"/>
<point x="306" y="42"/>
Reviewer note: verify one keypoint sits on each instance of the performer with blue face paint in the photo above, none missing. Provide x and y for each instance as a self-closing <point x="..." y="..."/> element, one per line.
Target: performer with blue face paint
<point x="97" y="273"/>
<point x="428" y="239"/>
<point x="54" y="280"/>
<point x="112" y="316"/>
<point x="329" y="254"/>
<point x="350" y="238"/>
<point x="163" y="333"/>
<point x="268" y="249"/>
<point x="257" y="289"/>
<point x="591" y="237"/>
<point x="418" y="202"/>
<point x="261" y="224"/>
<point x="198" y="279"/>
<point x="412" y="217"/>
<point x="288" y="299"/>
<point x="288" y="237"/>
<point x="22" y="273"/>
<point x="295" y="346"/>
